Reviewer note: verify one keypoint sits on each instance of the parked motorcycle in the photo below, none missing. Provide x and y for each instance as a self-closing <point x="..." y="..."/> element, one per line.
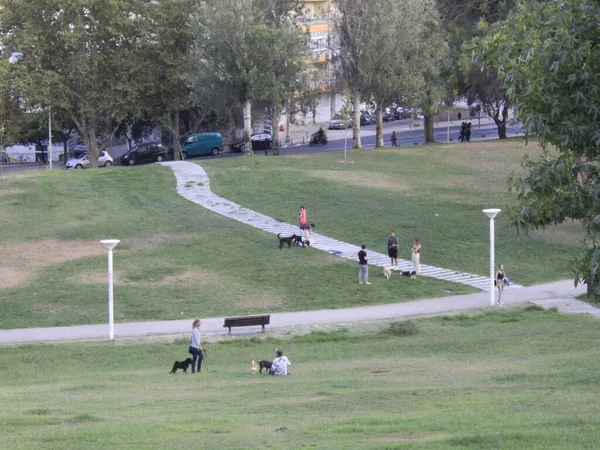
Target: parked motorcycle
<point x="315" y="139"/>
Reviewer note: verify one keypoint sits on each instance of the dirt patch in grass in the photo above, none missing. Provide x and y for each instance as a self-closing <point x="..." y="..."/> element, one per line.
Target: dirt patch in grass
<point x="362" y="179"/>
<point x="187" y="278"/>
<point x="570" y="232"/>
<point x="10" y="277"/>
<point x="26" y="258"/>
<point x="262" y="301"/>
<point x="10" y="191"/>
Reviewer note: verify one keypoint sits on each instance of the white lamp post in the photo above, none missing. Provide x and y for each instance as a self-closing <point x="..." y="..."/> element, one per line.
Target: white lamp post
<point x="50" y="137"/>
<point x="110" y="244"/>
<point x="491" y="213"/>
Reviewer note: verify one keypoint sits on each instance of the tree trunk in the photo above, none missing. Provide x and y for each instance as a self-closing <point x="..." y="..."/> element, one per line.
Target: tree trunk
<point x="428" y="125"/>
<point x="275" y="116"/>
<point x="92" y="145"/>
<point x="248" y="127"/>
<point x="501" y="129"/>
<point x="65" y="152"/>
<point x="379" y="133"/>
<point x="356" y="143"/>
<point x="177" y="152"/>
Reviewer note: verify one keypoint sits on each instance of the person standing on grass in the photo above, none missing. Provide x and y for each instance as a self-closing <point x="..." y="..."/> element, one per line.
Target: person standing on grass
<point x="416" y="257"/>
<point x="195" y="347"/>
<point x="499" y="282"/>
<point x="363" y="266"/>
<point x="393" y="249"/>
<point x="393" y="139"/>
<point x="280" y="364"/>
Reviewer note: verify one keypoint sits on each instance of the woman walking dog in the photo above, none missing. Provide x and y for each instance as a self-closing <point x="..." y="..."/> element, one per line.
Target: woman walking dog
<point x="195" y="347"/>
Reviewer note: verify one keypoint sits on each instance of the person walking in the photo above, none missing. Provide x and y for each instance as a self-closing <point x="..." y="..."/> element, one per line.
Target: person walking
<point x="280" y="364"/>
<point x="363" y="266"/>
<point x="416" y="257"/>
<point x="393" y="139"/>
<point x="393" y="249"/>
<point x="195" y="347"/>
<point x="500" y="282"/>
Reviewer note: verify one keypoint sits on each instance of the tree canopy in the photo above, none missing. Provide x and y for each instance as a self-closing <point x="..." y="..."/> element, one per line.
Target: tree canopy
<point x="547" y="54"/>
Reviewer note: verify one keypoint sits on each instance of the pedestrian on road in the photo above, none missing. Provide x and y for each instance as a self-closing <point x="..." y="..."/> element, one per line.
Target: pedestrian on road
<point x="393" y="249"/>
<point x="393" y="138"/>
<point x="499" y="281"/>
<point x="468" y="132"/>
<point x="363" y="266"/>
<point x="280" y="364"/>
<point x="416" y="257"/>
<point x="195" y="347"/>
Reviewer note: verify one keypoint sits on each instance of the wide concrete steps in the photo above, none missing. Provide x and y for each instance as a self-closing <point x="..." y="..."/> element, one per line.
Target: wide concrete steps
<point x="194" y="185"/>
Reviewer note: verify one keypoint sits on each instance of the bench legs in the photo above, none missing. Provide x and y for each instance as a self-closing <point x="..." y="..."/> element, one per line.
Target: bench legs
<point x="263" y="330"/>
<point x="229" y="330"/>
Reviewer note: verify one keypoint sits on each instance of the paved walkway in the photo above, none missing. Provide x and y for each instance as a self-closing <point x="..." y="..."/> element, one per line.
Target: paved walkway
<point x="559" y="294"/>
<point x="194" y="185"/>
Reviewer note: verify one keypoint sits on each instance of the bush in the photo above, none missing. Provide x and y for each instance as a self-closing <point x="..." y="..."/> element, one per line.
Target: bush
<point x="406" y="328"/>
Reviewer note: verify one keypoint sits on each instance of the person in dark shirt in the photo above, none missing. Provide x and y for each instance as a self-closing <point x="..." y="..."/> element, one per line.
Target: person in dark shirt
<point x="363" y="266"/>
<point x="393" y="249"/>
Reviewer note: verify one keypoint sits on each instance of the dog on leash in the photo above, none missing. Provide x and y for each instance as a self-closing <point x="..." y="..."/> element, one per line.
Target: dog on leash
<point x="387" y="272"/>
<point x="264" y="364"/>
<point x="289" y="240"/>
<point x="181" y="365"/>
<point x="254" y="368"/>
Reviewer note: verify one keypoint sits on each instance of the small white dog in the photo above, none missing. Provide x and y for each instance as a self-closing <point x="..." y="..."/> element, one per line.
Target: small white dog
<point x="387" y="272"/>
<point x="255" y="368"/>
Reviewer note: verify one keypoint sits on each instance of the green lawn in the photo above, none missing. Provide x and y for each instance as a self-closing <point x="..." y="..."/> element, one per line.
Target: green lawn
<point x="178" y="260"/>
<point x="504" y="379"/>
<point x="433" y="192"/>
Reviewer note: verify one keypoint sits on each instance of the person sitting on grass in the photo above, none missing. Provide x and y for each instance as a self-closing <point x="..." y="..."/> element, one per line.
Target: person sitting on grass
<point x="280" y="364"/>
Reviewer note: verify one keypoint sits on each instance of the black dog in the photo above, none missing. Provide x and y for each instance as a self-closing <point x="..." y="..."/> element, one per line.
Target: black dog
<point x="409" y="274"/>
<point x="181" y="365"/>
<point x="289" y="240"/>
<point x="264" y="364"/>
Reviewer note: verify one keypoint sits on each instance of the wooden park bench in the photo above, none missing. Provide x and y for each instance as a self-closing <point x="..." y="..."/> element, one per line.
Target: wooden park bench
<point x="247" y="321"/>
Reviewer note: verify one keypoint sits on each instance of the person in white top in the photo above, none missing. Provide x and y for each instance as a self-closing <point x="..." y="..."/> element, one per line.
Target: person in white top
<point x="195" y="347"/>
<point x="280" y="364"/>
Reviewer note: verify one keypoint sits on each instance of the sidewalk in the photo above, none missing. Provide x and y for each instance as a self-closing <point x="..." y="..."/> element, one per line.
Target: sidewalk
<point x="561" y="293"/>
<point x="301" y="133"/>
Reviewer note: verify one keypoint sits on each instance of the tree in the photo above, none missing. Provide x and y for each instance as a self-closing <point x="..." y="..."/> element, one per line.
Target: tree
<point x="242" y="52"/>
<point x="78" y="57"/>
<point x="464" y="21"/>
<point x="547" y="54"/>
<point x="393" y="59"/>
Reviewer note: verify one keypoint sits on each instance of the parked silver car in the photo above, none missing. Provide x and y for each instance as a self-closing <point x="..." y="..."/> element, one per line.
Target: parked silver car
<point x="82" y="161"/>
<point x="337" y="123"/>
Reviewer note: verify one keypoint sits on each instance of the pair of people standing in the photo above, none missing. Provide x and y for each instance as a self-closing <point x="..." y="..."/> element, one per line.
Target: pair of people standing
<point x="415" y="250"/>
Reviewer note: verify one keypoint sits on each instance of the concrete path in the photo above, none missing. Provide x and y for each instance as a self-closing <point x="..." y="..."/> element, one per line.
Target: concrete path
<point x="194" y="185"/>
<point x="559" y="294"/>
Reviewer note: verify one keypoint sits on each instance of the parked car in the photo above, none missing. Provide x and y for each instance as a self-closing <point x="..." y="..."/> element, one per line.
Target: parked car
<point x="82" y="161"/>
<point x="337" y="123"/>
<point x="144" y="154"/>
<point x="367" y="119"/>
<point x="260" y="141"/>
<point x="388" y="117"/>
<point x="201" y="144"/>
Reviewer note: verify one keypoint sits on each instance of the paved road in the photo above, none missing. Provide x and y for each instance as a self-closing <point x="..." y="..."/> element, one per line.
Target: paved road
<point x="560" y="293"/>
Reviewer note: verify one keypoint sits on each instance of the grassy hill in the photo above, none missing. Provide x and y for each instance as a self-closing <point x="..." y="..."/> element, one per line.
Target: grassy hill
<point x="178" y="260"/>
